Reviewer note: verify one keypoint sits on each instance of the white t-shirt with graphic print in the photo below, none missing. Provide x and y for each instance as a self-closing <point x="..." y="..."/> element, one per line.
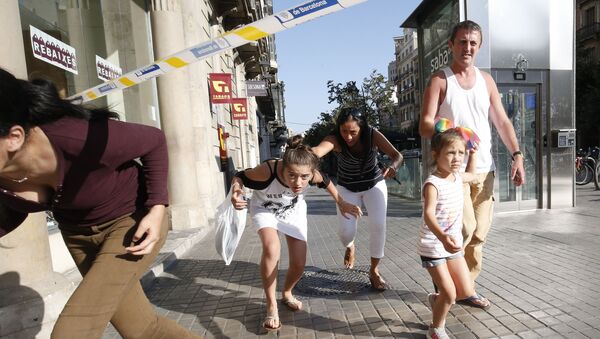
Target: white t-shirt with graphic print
<point x="278" y="207"/>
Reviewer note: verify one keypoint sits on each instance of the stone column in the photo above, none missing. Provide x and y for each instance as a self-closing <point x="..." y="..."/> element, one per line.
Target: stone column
<point x="84" y="27"/>
<point x="176" y="116"/>
<point x="31" y="293"/>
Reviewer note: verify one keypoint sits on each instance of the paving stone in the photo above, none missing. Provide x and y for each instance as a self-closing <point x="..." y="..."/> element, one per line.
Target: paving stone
<point x="540" y="273"/>
<point x="529" y="335"/>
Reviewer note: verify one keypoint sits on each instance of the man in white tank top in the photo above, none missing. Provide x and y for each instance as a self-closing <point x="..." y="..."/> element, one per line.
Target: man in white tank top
<point x="470" y="98"/>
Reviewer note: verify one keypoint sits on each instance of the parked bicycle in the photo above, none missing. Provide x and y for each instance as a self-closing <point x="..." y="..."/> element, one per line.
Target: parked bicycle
<point x="595" y="153"/>
<point x="584" y="167"/>
<point x="587" y="166"/>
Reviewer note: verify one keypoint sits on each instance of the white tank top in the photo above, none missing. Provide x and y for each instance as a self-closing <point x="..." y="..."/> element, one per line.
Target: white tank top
<point x="470" y="108"/>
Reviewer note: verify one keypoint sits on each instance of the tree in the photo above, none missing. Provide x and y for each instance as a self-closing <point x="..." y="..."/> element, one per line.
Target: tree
<point x="373" y="97"/>
<point x="320" y="129"/>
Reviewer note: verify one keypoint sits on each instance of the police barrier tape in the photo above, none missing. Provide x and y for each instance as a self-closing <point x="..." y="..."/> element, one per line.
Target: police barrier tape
<point x="240" y="36"/>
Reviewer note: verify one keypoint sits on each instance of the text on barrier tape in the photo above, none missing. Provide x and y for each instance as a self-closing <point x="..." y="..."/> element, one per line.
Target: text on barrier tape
<point x="240" y="36"/>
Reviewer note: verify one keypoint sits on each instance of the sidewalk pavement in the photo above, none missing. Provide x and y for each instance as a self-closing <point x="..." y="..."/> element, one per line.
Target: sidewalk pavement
<point x="541" y="271"/>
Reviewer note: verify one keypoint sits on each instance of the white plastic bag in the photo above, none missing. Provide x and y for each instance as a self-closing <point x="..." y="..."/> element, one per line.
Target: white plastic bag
<point x="230" y="227"/>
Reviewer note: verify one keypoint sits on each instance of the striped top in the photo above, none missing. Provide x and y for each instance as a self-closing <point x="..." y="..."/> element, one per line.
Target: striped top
<point x="358" y="173"/>
<point x="448" y="213"/>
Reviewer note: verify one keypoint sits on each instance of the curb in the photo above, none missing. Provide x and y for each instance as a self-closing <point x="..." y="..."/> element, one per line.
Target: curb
<point x="178" y="242"/>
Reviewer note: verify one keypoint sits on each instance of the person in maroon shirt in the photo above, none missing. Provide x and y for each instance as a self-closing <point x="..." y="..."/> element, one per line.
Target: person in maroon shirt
<point x="106" y="183"/>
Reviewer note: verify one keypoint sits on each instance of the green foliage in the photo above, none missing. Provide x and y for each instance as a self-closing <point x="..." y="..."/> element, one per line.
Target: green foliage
<point x="587" y="100"/>
<point x="320" y="129"/>
<point x="373" y="97"/>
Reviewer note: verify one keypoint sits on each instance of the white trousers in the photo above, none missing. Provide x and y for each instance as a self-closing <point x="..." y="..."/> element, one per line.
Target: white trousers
<point x="375" y="202"/>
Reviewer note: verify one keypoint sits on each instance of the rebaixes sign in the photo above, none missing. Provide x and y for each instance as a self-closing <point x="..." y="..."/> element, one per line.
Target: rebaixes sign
<point x="53" y="51"/>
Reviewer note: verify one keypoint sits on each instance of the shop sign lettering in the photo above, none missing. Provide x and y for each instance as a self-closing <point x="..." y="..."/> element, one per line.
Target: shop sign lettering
<point x="52" y="50"/>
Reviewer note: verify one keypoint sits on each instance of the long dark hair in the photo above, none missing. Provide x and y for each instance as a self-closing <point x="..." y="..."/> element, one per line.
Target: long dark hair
<point x="353" y="114"/>
<point x="33" y="103"/>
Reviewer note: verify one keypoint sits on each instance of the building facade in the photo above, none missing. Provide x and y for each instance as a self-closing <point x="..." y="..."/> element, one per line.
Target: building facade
<point x="390" y="119"/>
<point x="101" y="38"/>
<point x="407" y="83"/>
<point x="587" y="21"/>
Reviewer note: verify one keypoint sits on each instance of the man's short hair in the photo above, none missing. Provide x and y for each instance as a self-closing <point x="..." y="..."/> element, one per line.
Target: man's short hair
<point x="470" y="26"/>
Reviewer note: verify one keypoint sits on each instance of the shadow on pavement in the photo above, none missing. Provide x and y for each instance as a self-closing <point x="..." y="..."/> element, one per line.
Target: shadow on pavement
<point x="25" y="304"/>
<point x="215" y="294"/>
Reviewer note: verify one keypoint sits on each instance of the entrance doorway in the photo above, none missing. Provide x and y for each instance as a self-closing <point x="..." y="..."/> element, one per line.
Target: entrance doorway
<point x="522" y="105"/>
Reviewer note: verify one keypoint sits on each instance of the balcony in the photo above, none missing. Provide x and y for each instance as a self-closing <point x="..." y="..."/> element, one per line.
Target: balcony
<point x="588" y="32"/>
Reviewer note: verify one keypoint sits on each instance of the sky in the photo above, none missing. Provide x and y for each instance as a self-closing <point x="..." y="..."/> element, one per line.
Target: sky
<point x="342" y="46"/>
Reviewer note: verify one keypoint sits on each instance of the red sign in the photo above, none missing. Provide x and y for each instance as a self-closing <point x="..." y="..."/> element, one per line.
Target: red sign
<point x="239" y="108"/>
<point x="220" y="88"/>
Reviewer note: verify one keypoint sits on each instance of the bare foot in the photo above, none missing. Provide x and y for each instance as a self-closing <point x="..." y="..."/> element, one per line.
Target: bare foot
<point x="349" y="257"/>
<point x="377" y="282"/>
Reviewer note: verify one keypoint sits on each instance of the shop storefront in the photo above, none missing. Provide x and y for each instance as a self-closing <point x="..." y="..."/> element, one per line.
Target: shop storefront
<point x="81" y="44"/>
<point x="531" y="59"/>
<point x="102" y="38"/>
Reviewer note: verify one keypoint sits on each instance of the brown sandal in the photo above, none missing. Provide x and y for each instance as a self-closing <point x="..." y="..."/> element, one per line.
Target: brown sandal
<point x="349" y="257"/>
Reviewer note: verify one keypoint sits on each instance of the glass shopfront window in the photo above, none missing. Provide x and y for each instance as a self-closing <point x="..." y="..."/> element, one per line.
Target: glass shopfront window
<point x="435" y="32"/>
<point x="117" y="31"/>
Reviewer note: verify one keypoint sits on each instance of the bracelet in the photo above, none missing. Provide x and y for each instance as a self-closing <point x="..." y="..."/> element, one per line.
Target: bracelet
<point x="515" y="154"/>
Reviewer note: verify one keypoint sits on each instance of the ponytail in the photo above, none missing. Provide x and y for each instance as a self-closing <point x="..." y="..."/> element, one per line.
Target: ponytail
<point x="37" y="102"/>
<point x="298" y="153"/>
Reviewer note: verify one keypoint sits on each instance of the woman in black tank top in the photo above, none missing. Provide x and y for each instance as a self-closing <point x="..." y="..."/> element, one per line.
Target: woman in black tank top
<point x="360" y="181"/>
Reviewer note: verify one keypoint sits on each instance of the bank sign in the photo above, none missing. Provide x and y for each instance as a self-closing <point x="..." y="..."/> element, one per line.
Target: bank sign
<point x="438" y="58"/>
<point x="52" y="51"/>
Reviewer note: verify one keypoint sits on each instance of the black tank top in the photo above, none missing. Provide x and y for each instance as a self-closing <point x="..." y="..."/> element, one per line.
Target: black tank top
<point x="358" y="173"/>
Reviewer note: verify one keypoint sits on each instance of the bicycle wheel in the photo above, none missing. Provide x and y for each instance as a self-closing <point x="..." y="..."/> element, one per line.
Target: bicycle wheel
<point x="584" y="174"/>
<point x="597" y="175"/>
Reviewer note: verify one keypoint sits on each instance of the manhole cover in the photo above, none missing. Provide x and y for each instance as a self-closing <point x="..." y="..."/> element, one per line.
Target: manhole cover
<point x="333" y="281"/>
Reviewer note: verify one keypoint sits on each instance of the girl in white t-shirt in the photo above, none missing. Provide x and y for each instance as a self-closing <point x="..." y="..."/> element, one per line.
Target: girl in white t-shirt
<point x="440" y="243"/>
<point x="278" y="205"/>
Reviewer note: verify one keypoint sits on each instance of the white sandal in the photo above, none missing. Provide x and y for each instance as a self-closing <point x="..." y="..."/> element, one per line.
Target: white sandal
<point x="269" y="318"/>
<point x="292" y="303"/>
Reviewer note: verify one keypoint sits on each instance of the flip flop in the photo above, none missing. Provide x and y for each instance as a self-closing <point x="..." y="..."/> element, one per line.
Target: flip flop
<point x="292" y="303"/>
<point x="349" y="257"/>
<point x="269" y="318"/>
<point x="377" y="283"/>
<point x="476" y="301"/>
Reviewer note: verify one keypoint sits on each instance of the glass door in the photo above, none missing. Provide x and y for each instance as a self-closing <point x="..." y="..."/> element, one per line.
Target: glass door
<point x="521" y="104"/>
